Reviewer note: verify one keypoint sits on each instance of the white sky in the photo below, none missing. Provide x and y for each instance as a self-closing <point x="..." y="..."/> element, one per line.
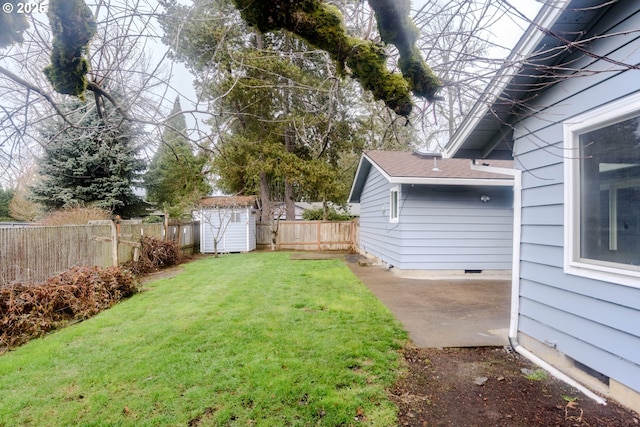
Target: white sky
<point x="507" y="33"/>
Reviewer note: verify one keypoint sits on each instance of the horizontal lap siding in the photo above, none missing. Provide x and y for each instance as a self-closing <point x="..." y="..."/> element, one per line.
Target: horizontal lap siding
<point x="377" y="235"/>
<point x="450" y="228"/>
<point x="596" y="323"/>
<point x="236" y="237"/>
<point x="253" y="231"/>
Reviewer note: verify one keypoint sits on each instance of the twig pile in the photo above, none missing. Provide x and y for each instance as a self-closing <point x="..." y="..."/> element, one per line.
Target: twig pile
<point x="28" y="311"/>
<point x="155" y="254"/>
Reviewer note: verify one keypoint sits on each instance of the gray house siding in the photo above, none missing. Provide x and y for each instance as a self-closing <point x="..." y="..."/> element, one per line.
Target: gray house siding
<point x="238" y="236"/>
<point x="439" y="227"/>
<point x="595" y="323"/>
<point x="378" y="236"/>
<point x="252" y="230"/>
<point x="450" y="228"/>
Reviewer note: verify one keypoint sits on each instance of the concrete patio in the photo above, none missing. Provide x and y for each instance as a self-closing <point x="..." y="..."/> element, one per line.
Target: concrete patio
<point x="469" y="312"/>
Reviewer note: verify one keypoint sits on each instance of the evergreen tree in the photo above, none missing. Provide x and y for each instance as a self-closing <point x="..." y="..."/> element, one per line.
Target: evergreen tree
<point x="175" y="178"/>
<point x="93" y="164"/>
<point x="287" y="127"/>
<point x="5" y="199"/>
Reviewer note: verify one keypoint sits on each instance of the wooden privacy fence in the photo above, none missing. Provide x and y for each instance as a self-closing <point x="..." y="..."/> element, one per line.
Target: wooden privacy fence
<point x="31" y="254"/>
<point x="309" y="235"/>
<point x="185" y="234"/>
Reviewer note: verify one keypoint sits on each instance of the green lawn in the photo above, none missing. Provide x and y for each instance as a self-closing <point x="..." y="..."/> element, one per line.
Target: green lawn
<point x="242" y="340"/>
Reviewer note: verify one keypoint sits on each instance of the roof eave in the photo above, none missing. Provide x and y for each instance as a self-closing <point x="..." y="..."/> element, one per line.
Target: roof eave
<point x="359" y="179"/>
<point x="547" y="16"/>
<point x="470" y="182"/>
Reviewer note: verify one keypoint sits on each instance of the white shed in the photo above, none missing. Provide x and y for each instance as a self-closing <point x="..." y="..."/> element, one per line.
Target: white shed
<point x="227" y="224"/>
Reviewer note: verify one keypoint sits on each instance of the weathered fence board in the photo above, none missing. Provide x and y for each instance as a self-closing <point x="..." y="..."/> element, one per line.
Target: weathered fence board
<point x="31" y="254"/>
<point x="185" y="234"/>
<point x="309" y="235"/>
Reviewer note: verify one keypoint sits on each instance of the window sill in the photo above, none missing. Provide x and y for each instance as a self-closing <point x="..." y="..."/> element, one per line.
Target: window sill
<point x="604" y="273"/>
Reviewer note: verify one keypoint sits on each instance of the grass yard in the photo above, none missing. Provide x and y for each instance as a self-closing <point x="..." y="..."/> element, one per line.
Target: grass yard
<point x="243" y="340"/>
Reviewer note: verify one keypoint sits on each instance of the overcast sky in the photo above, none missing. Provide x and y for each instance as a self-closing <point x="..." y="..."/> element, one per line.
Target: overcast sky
<point x="507" y="33"/>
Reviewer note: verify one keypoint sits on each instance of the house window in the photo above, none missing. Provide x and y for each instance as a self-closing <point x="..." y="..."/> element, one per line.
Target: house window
<point x="394" y="204"/>
<point x="602" y="193"/>
<point x="235" y="217"/>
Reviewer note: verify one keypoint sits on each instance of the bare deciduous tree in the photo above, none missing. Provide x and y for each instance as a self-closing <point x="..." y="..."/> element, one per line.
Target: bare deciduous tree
<point x="128" y="68"/>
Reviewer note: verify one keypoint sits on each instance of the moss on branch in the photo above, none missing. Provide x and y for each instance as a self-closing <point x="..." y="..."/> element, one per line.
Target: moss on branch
<point x="72" y="25"/>
<point x="322" y="26"/>
<point x="396" y="27"/>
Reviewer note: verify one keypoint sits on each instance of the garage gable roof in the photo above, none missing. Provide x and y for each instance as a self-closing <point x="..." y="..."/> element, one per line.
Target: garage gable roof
<point x="401" y="167"/>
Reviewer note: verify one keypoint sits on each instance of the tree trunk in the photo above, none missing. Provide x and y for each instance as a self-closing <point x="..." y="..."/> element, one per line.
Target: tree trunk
<point x="289" y="144"/>
<point x="266" y="208"/>
<point x="289" y="201"/>
<point x="325" y="209"/>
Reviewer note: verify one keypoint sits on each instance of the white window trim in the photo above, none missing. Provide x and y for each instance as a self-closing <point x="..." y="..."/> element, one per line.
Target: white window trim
<point x="615" y="112"/>
<point x="394" y="214"/>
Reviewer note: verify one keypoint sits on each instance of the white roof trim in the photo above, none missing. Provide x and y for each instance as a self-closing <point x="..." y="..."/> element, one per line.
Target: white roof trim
<point x="548" y="15"/>
<point x="494" y="169"/>
<point x="378" y="168"/>
<point x="442" y="181"/>
<point x="479" y="182"/>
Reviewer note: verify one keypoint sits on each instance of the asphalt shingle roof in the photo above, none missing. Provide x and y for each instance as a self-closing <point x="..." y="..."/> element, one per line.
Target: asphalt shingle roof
<point x="411" y="165"/>
<point x="227" y="201"/>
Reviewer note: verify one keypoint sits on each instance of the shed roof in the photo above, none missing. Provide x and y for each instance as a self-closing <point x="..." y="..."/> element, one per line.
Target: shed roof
<point x="401" y="167"/>
<point x="227" y="201"/>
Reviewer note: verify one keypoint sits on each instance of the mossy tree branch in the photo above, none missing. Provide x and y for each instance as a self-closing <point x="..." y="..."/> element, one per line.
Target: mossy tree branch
<point x="72" y="25"/>
<point x="322" y="25"/>
<point x="395" y="27"/>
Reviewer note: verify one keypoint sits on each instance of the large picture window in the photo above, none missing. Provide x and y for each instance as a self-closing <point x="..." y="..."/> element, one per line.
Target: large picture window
<point x="602" y="193"/>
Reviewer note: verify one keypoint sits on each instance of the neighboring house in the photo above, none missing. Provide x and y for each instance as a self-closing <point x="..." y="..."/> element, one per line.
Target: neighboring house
<point x="229" y="220"/>
<point x="419" y="212"/>
<point x="575" y="135"/>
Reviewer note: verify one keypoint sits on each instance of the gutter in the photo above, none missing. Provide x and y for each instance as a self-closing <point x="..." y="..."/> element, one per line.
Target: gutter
<point x="483" y="182"/>
<point x="548" y="15"/>
<point x="515" y="285"/>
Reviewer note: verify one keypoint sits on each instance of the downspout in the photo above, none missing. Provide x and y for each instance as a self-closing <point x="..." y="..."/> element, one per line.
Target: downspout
<point x="515" y="284"/>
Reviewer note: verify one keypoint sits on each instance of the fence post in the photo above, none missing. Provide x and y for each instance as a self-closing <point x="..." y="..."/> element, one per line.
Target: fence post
<point x="114" y="243"/>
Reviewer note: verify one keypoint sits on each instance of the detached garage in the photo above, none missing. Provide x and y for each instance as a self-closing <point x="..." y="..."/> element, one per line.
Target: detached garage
<point x="227" y="224"/>
<point x="420" y="212"/>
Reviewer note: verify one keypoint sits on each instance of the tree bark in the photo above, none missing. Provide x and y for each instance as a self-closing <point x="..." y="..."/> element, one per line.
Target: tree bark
<point x="266" y="208"/>
<point x="289" y="196"/>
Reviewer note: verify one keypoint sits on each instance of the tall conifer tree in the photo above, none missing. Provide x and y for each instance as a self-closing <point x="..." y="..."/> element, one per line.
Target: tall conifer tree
<point x="175" y="179"/>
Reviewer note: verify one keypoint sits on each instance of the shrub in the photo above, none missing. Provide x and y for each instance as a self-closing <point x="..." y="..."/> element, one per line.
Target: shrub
<point x="28" y="311"/>
<point x="332" y="215"/>
<point x="152" y="219"/>
<point x="75" y="216"/>
<point x="155" y="254"/>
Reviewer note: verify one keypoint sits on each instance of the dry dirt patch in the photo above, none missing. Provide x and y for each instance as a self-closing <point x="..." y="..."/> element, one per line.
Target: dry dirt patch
<point x="479" y="387"/>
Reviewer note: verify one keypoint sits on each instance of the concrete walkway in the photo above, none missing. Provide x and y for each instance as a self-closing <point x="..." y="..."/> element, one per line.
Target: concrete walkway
<point x="443" y="313"/>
